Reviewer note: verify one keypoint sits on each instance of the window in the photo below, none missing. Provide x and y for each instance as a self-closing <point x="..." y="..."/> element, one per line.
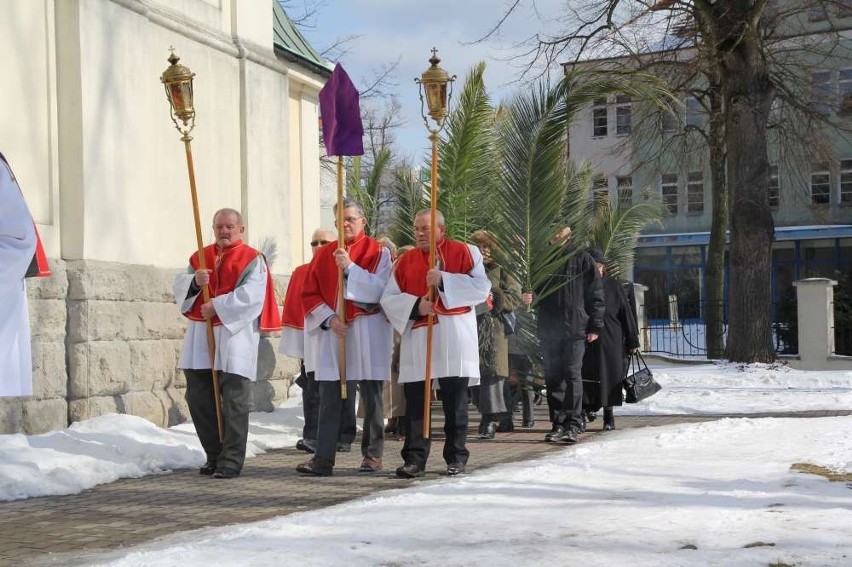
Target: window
<point x="821" y="91"/>
<point x="820" y="185"/>
<point x="623" y="115"/>
<point x="817" y="11"/>
<point x="846" y="181"/>
<point x="694" y="113"/>
<point x="670" y="120"/>
<point x="624" y="184"/>
<point x="695" y="192"/>
<point x="774" y="187"/>
<point x="844" y="90"/>
<point x="599" y="109"/>
<point x="600" y="190"/>
<point x="668" y="191"/>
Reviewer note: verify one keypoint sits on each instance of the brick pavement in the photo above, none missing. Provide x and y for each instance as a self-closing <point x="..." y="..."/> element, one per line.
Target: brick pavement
<point x="58" y="530"/>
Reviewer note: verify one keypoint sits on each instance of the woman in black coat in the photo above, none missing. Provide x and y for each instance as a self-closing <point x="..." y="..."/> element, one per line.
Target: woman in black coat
<point x="605" y="359"/>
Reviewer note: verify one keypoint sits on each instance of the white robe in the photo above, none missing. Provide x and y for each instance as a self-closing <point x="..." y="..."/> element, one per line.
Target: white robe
<point x="455" y="343"/>
<point x="17" y="246"/>
<point x="296" y="343"/>
<point x="238" y="337"/>
<point x="369" y="341"/>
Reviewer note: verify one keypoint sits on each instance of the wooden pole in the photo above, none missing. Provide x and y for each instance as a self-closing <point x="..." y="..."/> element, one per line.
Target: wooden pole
<point x="205" y="290"/>
<point x="433" y="208"/>
<point x="341" y="302"/>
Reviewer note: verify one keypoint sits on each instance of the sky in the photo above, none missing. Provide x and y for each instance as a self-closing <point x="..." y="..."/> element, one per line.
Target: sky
<point x="409" y="29"/>
<point x="712" y="493"/>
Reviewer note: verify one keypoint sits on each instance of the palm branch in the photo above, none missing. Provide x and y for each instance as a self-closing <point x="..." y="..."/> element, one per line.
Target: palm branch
<point x="467" y="169"/>
<point x="532" y="187"/>
<point x="615" y="229"/>
<point x="367" y="193"/>
<point x="410" y="196"/>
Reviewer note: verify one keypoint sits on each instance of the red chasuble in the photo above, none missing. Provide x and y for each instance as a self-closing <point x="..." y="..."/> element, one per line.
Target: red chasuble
<point x="321" y="283"/>
<point x="411" y="268"/>
<point x="294" y="314"/>
<point x="229" y="267"/>
<point x="38" y="267"/>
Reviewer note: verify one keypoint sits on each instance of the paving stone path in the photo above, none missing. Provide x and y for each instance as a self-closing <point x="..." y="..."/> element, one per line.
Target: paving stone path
<point x="59" y="530"/>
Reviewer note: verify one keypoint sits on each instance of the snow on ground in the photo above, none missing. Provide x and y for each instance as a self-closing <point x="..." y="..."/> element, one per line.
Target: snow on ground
<point x="713" y="493"/>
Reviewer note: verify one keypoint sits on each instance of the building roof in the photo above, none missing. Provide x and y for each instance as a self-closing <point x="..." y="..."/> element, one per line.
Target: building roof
<point x="292" y="45"/>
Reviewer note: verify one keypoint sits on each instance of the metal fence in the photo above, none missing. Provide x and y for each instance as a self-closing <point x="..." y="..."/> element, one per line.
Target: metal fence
<point x="679" y="329"/>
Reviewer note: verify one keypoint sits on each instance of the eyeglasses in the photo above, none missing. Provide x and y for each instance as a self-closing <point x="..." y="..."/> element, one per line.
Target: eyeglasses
<point x="319" y="242"/>
<point x="351" y="220"/>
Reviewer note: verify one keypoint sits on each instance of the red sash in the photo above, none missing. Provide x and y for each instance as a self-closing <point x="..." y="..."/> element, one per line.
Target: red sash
<point x="321" y="283"/>
<point x="38" y="266"/>
<point x="228" y="267"/>
<point x="411" y="268"/>
<point x="294" y="314"/>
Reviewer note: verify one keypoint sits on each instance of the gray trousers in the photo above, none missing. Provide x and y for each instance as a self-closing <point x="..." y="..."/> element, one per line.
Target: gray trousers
<point x="236" y="394"/>
<point x="333" y="413"/>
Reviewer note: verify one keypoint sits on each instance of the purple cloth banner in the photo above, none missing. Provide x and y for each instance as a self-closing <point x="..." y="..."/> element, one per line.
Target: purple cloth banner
<point x="342" y="131"/>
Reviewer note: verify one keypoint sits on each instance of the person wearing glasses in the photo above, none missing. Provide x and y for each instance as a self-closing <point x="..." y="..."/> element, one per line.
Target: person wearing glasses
<point x="459" y="283"/>
<point x="366" y="334"/>
<point x="298" y="344"/>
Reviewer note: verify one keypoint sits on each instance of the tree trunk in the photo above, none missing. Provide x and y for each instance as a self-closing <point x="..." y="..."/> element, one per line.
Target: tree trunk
<point x="748" y="95"/>
<point x="714" y="314"/>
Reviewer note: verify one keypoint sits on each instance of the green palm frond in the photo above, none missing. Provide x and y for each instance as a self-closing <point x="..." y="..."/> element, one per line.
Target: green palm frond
<point x="410" y="196"/>
<point x="367" y="193"/>
<point x="467" y="169"/>
<point x="615" y="230"/>
<point x="532" y="190"/>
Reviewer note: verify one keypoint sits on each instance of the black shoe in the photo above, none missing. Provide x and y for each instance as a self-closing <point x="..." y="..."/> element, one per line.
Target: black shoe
<point x="505" y="426"/>
<point x="306" y="445"/>
<point x="609" y="421"/>
<point x="591" y="416"/>
<point x="317" y="467"/>
<point x="570" y="436"/>
<point x="555" y="434"/>
<point x="455" y="468"/>
<point x="528" y="424"/>
<point x="489" y="430"/>
<point x="207" y="468"/>
<point x="391" y="427"/>
<point x="344" y="447"/>
<point x="482" y="425"/>
<point x="226" y="473"/>
<point x="410" y="470"/>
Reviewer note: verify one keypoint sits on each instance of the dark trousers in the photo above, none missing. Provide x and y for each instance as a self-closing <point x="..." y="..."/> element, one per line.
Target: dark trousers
<point x="236" y="394"/>
<point x="454" y="401"/>
<point x="563" y="361"/>
<point x="310" y="404"/>
<point x="337" y="418"/>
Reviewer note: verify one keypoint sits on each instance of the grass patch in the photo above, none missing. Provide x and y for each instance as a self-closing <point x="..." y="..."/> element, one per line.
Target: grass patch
<point x="822" y="471"/>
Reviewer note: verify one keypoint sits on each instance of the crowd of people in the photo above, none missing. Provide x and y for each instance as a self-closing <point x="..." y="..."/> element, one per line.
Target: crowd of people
<point x="370" y="323"/>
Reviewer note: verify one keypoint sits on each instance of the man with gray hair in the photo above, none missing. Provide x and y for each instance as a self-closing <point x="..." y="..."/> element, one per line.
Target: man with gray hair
<point x="365" y="332"/>
<point x="460" y="283"/>
<point x="242" y="304"/>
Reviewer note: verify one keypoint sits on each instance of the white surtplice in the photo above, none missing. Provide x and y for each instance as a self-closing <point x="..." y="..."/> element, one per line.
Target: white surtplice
<point x="369" y="341"/>
<point x="455" y="343"/>
<point x="238" y="336"/>
<point x="17" y="246"/>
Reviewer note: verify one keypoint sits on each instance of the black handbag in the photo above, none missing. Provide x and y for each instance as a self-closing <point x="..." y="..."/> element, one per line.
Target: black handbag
<point x="639" y="382"/>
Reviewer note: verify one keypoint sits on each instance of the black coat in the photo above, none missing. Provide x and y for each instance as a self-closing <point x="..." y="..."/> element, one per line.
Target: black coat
<point x="577" y="306"/>
<point x="605" y="358"/>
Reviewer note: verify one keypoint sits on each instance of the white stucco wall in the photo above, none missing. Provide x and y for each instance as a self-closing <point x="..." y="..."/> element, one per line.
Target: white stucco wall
<point x="88" y="132"/>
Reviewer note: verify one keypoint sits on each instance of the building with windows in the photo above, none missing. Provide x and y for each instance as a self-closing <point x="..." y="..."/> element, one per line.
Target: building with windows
<point x="640" y="153"/>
